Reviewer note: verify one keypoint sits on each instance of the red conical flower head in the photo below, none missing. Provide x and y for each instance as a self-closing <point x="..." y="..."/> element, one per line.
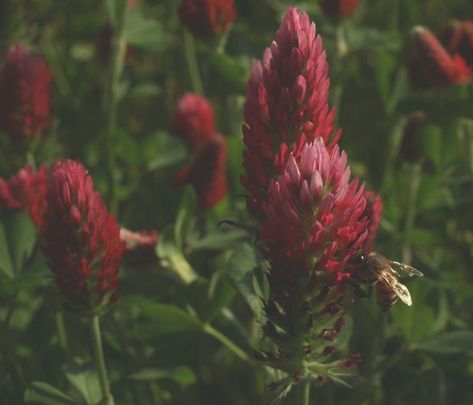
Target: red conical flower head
<point x="194" y="120"/>
<point x="26" y="190"/>
<point x="314" y="216"/>
<point x="286" y="103"/>
<point x="81" y="240"/>
<point x="25" y="95"/>
<point x="207" y="17"/>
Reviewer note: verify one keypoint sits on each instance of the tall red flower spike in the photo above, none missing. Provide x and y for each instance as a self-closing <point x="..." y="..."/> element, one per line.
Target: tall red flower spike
<point x="339" y="8"/>
<point x="432" y="63"/>
<point x="207" y="172"/>
<point x="26" y="190"/>
<point x="25" y="94"/>
<point x="206" y="17"/>
<point x="81" y="240"/>
<point x="374" y="210"/>
<point x="315" y="225"/>
<point x="286" y="104"/>
<point x="193" y="120"/>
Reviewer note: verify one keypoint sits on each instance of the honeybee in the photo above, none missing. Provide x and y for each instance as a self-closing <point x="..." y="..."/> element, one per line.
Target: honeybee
<point x="375" y="269"/>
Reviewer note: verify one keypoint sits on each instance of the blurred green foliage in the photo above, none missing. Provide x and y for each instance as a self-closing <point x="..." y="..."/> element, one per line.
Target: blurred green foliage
<point x="170" y="339"/>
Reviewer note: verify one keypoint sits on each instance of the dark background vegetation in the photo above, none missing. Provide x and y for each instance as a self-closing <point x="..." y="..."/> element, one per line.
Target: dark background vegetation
<point x="157" y="343"/>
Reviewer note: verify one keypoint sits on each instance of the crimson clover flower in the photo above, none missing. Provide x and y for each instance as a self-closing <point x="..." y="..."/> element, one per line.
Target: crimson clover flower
<point x="207" y="172"/>
<point x="286" y="104"/>
<point x="312" y="219"/>
<point x="431" y="63"/>
<point x="25" y="94"/>
<point x="26" y="190"/>
<point x="206" y="17"/>
<point x="81" y="240"/>
<point x="193" y="120"/>
<point x="315" y="224"/>
<point x="339" y="8"/>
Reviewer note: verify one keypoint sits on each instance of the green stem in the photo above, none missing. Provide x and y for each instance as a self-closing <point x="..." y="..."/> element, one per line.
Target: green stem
<point x="192" y="63"/>
<point x="118" y="57"/>
<point x="61" y="331"/>
<point x="304" y="393"/>
<point x="415" y="180"/>
<point x="227" y="343"/>
<point x="100" y="360"/>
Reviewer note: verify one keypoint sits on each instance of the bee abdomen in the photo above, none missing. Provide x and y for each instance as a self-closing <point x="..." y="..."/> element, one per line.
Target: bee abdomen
<point x="386" y="297"/>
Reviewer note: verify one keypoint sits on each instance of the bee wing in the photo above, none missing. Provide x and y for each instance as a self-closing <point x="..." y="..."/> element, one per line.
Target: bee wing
<point x="400" y="289"/>
<point x="402" y="269"/>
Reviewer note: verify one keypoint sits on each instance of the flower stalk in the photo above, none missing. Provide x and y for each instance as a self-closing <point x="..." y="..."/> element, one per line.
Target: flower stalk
<point x="100" y="360"/>
<point x="191" y="58"/>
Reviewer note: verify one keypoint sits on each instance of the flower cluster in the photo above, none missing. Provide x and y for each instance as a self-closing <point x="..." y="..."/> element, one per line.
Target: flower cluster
<point x="25" y="105"/>
<point x="194" y="123"/>
<point x="26" y="190"/>
<point x="286" y="104"/>
<point x="207" y="17"/>
<point x="312" y="219"/>
<point x="81" y="240"/>
<point x="339" y="8"/>
<point x="432" y="64"/>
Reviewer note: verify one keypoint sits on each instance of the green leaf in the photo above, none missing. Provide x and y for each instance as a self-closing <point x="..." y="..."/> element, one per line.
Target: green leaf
<point x="46" y="394"/>
<point x="162" y="150"/>
<point x="83" y="377"/>
<point x="172" y="257"/>
<point x="185" y="214"/>
<point x="21" y="234"/>
<point x="183" y="375"/>
<point x="432" y="143"/>
<point x="227" y="70"/>
<point x="448" y="343"/>
<point x="6" y="265"/>
<point x="218" y="239"/>
<point x="145" y="33"/>
<point x="209" y="298"/>
<point x="241" y="270"/>
<point x="162" y="319"/>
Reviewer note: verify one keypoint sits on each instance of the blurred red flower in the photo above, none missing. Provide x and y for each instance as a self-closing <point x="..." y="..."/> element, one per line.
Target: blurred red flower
<point x="207" y="172"/>
<point x="81" y="240"/>
<point x="339" y="8"/>
<point x="26" y="190"/>
<point x="457" y="37"/>
<point x="207" y="17"/>
<point x="25" y="89"/>
<point x="431" y="63"/>
<point x="286" y="104"/>
<point x="373" y="211"/>
<point x="193" y="120"/>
